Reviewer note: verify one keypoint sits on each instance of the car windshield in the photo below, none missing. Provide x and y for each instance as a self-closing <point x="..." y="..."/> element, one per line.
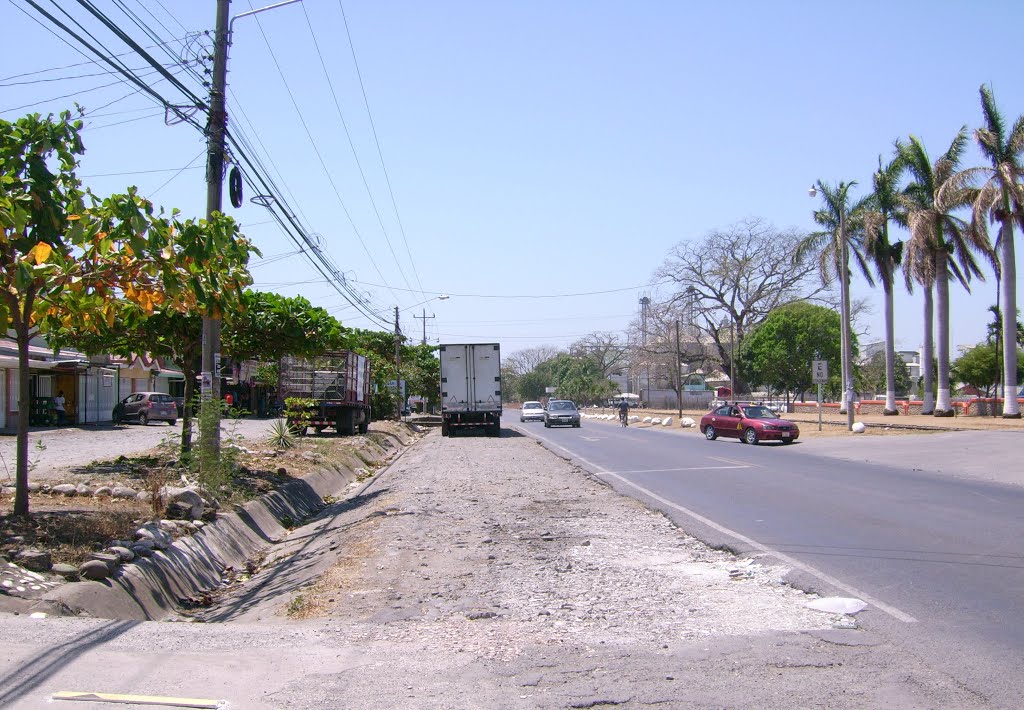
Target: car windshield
<point x="567" y="406"/>
<point x="758" y="413"/>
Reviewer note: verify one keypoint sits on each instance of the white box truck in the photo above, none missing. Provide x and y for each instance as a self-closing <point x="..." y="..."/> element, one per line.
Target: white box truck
<point x="470" y="388"/>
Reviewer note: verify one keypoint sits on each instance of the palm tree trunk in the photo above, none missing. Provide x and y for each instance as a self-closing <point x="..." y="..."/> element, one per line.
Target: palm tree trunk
<point x="927" y="354"/>
<point x="943" y="407"/>
<point x="1011" y="407"/>
<point x="846" y="398"/>
<point x="890" y="349"/>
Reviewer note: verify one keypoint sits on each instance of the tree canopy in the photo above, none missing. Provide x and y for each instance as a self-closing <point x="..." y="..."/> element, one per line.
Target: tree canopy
<point x="779" y="352"/>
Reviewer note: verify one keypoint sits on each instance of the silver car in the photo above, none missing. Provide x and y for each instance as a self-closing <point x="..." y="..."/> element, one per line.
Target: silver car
<point x="145" y="407"/>
<point x="561" y="411"/>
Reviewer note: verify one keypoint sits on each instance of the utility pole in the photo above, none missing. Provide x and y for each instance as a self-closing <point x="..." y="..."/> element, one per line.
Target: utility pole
<point x="398" y="369"/>
<point x="424" y="318"/>
<point x="215" y="130"/>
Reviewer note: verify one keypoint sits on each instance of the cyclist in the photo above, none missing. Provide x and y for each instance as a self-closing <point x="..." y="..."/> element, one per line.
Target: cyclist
<point x="624" y="413"/>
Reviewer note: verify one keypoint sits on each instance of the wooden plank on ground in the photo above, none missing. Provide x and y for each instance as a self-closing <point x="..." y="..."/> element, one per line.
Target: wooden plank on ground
<point x="138" y="699"/>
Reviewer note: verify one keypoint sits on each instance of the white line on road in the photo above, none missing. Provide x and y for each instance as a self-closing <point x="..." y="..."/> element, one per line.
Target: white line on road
<point x="791" y="561"/>
<point x="673" y="470"/>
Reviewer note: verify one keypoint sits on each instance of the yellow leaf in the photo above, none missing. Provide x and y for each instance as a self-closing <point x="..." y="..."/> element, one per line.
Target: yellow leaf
<point x="110" y="317"/>
<point x="167" y="252"/>
<point x="41" y="252"/>
<point x="73" y="217"/>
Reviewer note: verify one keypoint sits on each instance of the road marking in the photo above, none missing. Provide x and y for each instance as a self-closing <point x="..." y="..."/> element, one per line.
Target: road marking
<point x="734" y="462"/>
<point x="673" y="470"/>
<point x="791" y="561"/>
<point x="591" y="438"/>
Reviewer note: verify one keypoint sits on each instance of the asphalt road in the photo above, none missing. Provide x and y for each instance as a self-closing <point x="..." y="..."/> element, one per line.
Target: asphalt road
<point x="938" y="558"/>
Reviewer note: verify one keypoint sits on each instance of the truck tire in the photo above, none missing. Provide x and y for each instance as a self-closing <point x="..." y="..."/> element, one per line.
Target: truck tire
<point x="445" y="429"/>
<point x="346" y="422"/>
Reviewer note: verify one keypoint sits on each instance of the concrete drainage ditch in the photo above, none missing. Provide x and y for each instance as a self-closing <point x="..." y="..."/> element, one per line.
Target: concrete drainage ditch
<point x="192" y="571"/>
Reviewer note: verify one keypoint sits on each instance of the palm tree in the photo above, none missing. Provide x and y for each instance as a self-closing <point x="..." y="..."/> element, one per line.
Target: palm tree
<point x="884" y="205"/>
<point x="842" y="222"/>
<point x="1001" y="198"/>
<point x="940" y="245"/>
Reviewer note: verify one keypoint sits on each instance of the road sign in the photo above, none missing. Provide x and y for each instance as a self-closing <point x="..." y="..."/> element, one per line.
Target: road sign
<point x="819" y="372"/>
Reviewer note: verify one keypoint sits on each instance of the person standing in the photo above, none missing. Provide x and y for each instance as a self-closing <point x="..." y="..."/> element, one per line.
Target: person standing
<point x="58" y="406"/>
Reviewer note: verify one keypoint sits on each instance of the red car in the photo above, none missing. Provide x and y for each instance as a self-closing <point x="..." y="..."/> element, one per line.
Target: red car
<point x="750" y="423"/>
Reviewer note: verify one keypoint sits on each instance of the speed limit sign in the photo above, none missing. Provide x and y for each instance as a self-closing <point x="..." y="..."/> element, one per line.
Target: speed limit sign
<point x="819" y="372"/>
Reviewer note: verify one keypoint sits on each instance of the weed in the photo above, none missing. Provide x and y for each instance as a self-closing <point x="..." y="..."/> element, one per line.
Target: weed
<point x="281" y="436"/>
<point x="296" y="605"/>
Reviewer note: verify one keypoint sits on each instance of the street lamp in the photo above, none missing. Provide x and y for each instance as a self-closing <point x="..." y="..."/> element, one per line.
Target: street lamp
<point x="846" y="340"/>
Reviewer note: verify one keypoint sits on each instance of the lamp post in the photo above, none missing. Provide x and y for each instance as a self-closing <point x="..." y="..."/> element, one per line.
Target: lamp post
<point x="846" y="340"/>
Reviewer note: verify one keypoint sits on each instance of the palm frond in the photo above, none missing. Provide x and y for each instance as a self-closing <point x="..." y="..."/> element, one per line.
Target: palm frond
<point x="993" y="119"/>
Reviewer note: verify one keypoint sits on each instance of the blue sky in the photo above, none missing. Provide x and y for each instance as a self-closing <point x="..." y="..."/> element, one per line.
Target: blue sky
<point x="543" y="156"/>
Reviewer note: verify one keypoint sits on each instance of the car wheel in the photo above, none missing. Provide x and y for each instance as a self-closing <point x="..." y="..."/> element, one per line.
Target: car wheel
<point x="750" y="436"/>
<point x="143" y="418"/>
<point x="172" y="422"/>
<point x="522" y="419"/>
<point x="709" y="433"/>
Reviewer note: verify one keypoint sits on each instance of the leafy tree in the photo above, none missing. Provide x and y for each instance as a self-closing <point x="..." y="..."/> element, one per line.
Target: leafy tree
<point x="577" y="378"/>
<point x="1001" y="199"/>
<point x="874" y="375"/>
<point x="52" y="247"/>
<point x="779" y="352"/>
<point x="173" y="328"/>
<point x="731" y="279"/>
<point x="979" y="367"/>
<point x="884" y="206"/>
<point x="843" y="230"/>
<point x="421" y="369"/>
<point x="940" y="245"/>
<point x="269" y="326"/>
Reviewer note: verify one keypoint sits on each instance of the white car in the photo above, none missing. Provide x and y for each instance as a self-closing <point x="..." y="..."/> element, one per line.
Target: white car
<point x="531" y="411"/>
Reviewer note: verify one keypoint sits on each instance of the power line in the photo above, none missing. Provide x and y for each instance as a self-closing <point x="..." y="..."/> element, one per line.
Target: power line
<point x="351" y="145"/>
<point x="316" y="150"/>
<point x="543" y="296"/>
<point x="376" y="140"/>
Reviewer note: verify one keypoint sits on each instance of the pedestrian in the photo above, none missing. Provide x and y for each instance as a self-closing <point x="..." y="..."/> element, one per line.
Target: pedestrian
<point x="58" y="406"/>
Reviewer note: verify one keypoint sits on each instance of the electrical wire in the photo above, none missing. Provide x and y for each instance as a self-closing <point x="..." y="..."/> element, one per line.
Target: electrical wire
<point x="540" y="296"/>
<point x="316" y="151"/>
<point x="376" y="140"/>
<point x="351" y="145"/>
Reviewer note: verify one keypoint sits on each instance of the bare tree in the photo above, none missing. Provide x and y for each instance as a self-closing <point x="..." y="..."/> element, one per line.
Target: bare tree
<point x="732" y="279"/>
<point x="657" y="350"/>
<point x="606" y="350"/>
<point x="525" y="361"/>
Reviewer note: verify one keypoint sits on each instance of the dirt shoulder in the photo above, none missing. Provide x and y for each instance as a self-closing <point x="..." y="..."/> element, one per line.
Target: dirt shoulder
<point x="536" y="585"/>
